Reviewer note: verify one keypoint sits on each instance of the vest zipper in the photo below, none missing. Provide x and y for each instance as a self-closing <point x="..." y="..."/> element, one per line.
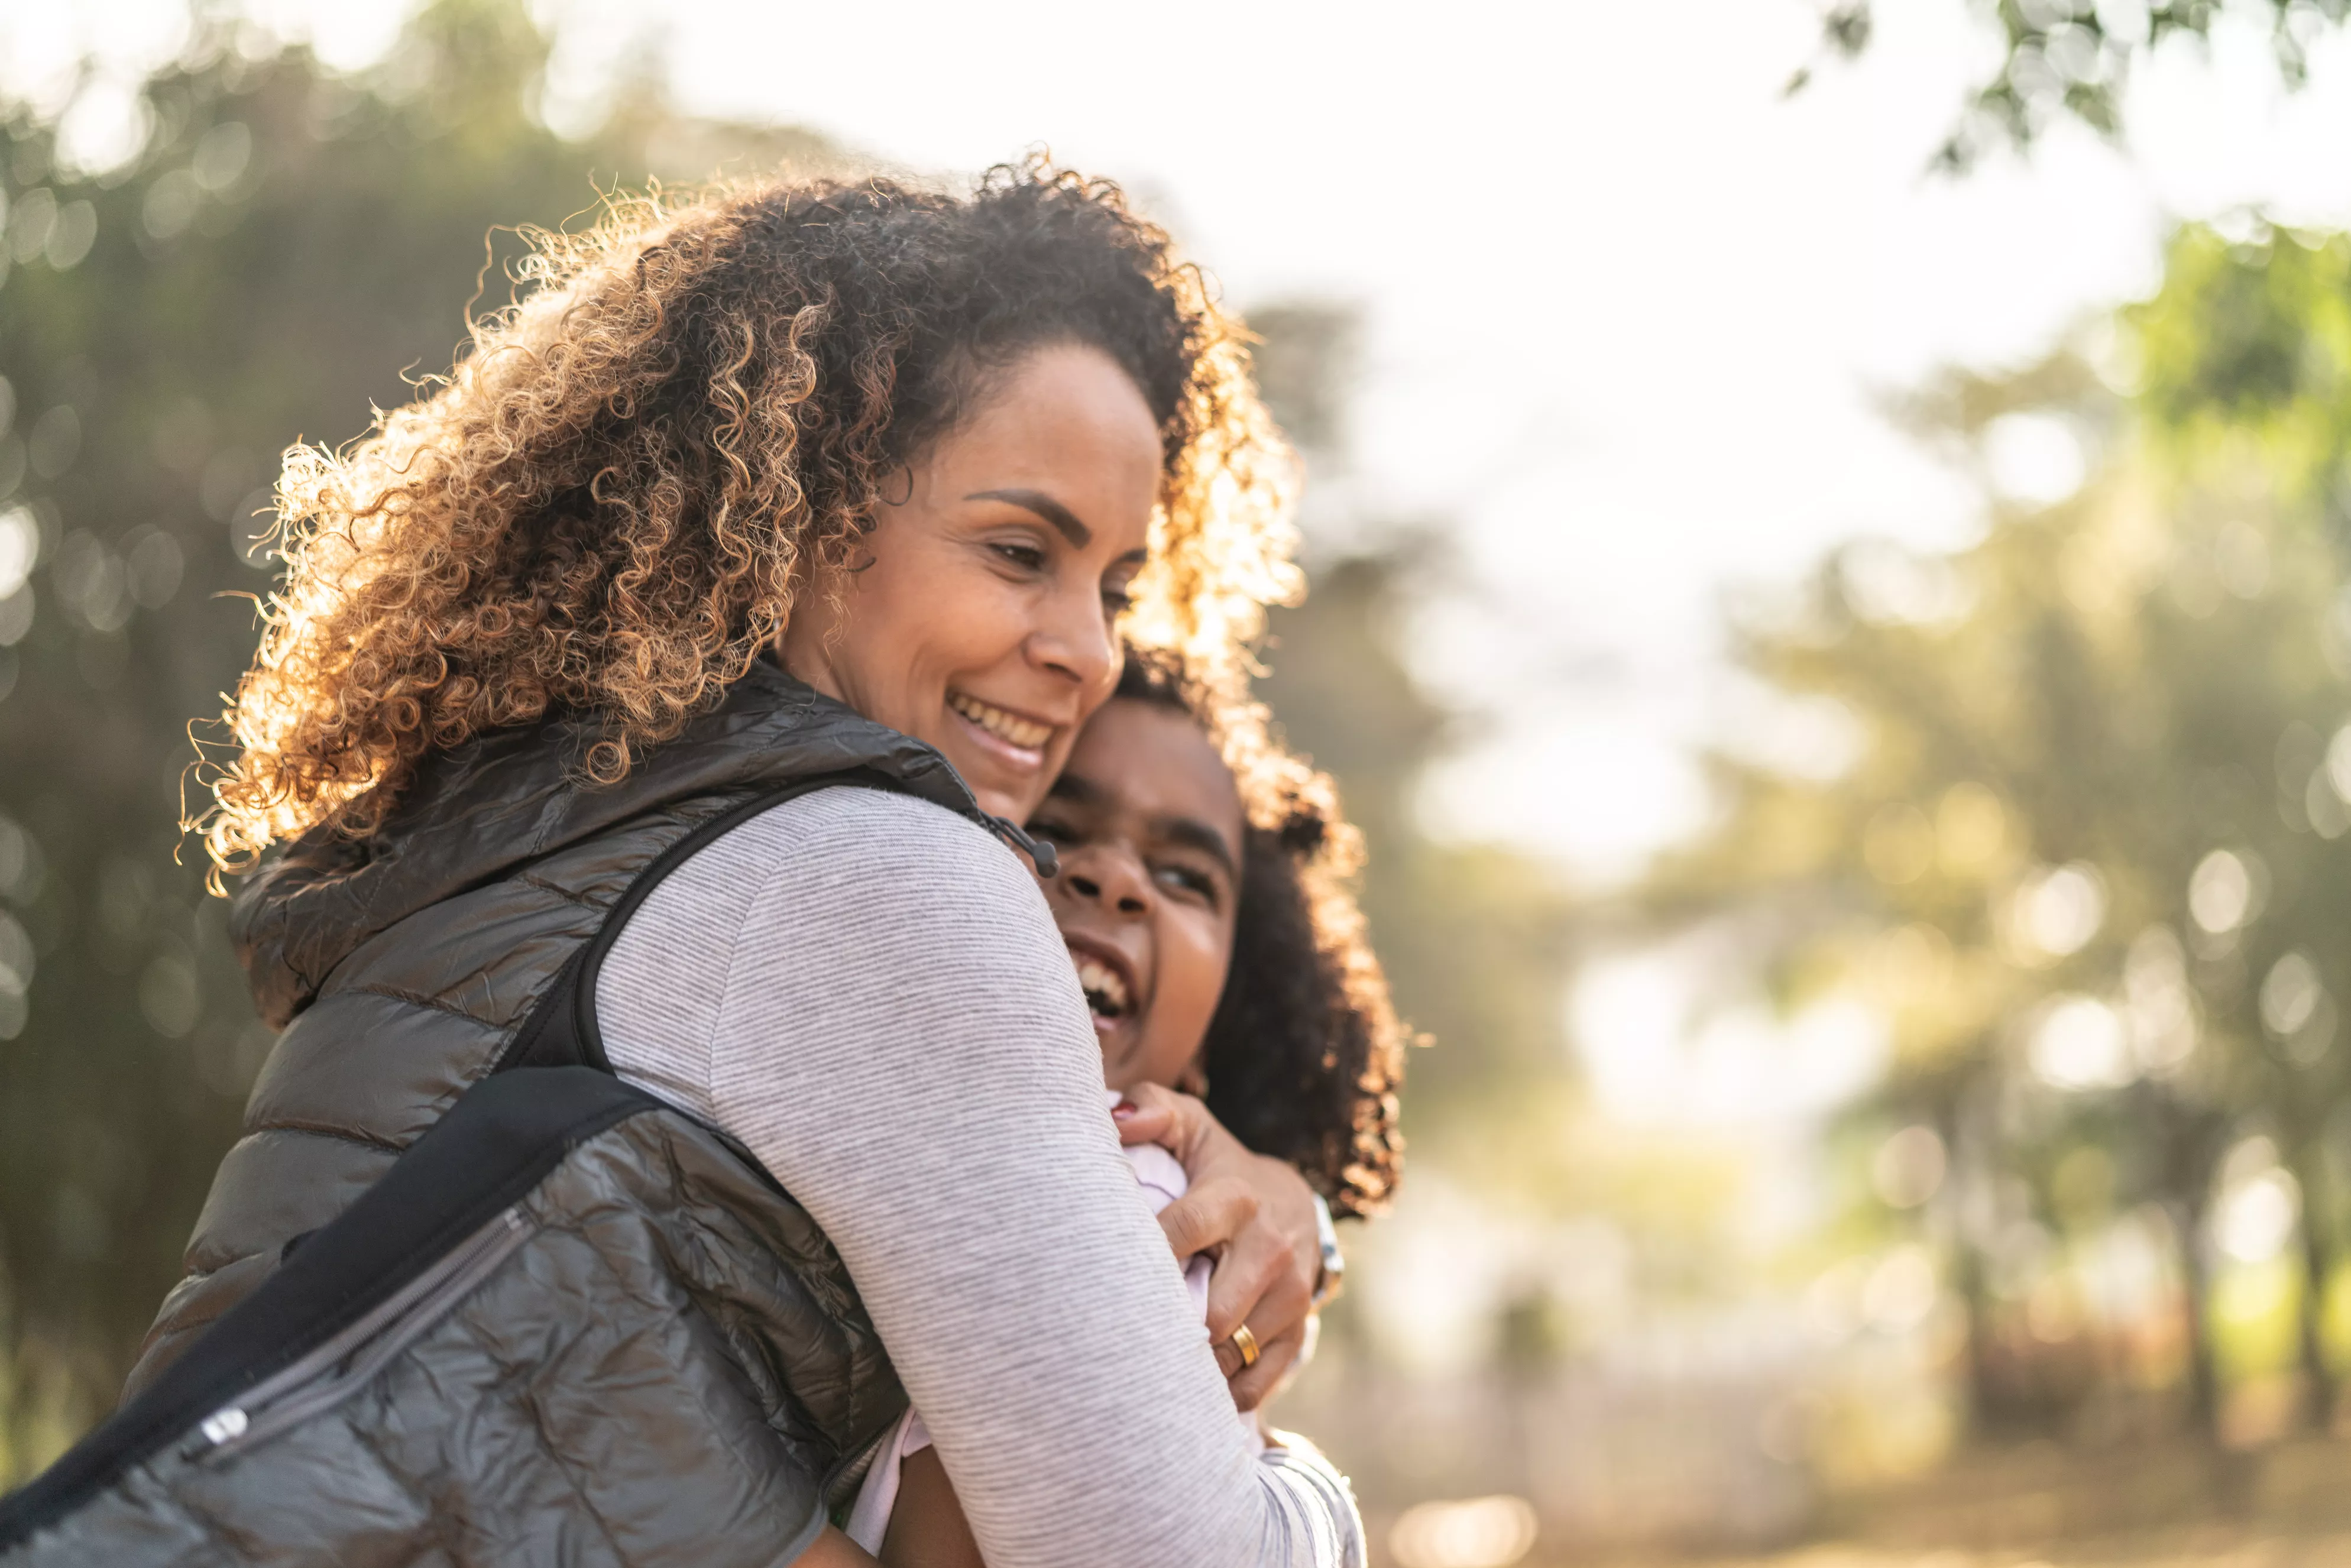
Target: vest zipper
<point x="337" y="1368"/>
<point x="1043" y="856"/>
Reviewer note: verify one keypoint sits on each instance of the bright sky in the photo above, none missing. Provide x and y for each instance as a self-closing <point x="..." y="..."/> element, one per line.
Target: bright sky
<point x="1629" y="307"/>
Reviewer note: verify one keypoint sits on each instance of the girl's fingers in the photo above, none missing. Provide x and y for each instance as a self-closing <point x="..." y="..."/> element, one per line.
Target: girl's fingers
<point x="1150" y="1114"/>
<point x="1175" y="1121"/>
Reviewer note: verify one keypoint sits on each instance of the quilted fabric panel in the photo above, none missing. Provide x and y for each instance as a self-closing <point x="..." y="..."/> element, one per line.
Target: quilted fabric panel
<point x="626" y="1388"/>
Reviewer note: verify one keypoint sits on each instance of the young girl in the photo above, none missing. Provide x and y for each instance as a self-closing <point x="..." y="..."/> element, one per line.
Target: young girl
<point x="1202" y="893"/>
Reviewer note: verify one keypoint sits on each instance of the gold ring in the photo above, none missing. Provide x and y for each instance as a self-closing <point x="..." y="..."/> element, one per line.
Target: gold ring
<point x="1246" y="1342"/>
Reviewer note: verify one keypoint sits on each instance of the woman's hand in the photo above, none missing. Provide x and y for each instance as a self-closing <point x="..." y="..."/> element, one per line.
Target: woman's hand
<point x="1260" y="1214"/>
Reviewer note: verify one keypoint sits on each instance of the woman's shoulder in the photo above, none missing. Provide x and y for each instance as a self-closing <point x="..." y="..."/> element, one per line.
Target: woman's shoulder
<point x="865" y="884"/>
<point x="873" y="849"/>
<point x="866" y="826"/>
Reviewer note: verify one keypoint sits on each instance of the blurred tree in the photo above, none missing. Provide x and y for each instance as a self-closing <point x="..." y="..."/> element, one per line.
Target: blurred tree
<point x="1477" y="938"/>
<point x="2071" y="59"/>
<point x="2245" y="361"/>
<point x="287" y="240"/>
<point x="2089" y="859"/>
<point x="1473" y="937"/>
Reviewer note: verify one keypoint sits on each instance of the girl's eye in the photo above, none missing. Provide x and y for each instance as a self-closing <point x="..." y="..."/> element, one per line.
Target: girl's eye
<point x="1200" y="884"/>
<point x="1028" y="558"/>
<point x="1051" y="832"/>
<point x="1119" y="600"/>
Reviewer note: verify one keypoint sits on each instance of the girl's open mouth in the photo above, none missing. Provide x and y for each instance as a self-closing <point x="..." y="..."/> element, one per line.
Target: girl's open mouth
<point x="1104" y="987"/>
<point x="1107" y="978"/>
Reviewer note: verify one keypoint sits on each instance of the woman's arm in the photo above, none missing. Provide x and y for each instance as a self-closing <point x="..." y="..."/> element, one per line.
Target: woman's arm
<point x="868" y="992"/>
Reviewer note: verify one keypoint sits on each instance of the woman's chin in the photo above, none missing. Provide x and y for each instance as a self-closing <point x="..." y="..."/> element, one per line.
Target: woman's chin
<point x="1001" y="791"/>
<point x="1004" y="804"/>
<point x="1009" y="781"/>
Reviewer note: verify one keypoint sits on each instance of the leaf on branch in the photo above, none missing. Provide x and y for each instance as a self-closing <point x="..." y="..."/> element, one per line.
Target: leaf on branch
<point x="1845" y="33"/>
<point x="2070" y="58"/>
<point x="1847" y="28"/>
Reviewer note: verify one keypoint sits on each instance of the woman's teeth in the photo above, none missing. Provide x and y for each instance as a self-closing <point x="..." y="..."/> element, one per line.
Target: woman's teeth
<point x="1104" y="988"/>
<point x="1005" y="727"/>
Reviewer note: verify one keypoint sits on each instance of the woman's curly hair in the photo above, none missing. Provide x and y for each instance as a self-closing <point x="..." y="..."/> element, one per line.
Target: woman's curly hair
<point x="1304" y="1056"/>
<point x="604" y="509"/>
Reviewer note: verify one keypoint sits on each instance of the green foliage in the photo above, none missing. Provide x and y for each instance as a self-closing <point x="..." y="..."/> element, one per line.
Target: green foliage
<point x="2245" y="359"/>
<point x="1472" y="937"/>
<point x="1306" y="363"/>
<point x="2070" y="60"/>
<point x="2091" y="862"/>
<point x="287" y="244"/>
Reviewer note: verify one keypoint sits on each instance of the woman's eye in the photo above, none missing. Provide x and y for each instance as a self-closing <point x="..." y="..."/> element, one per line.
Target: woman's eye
<point x="1028" y="558"/>
<point x="1119" y="600"/>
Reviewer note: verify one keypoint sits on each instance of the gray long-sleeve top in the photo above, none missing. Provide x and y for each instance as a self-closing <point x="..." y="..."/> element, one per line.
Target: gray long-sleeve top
<point x="869" y="993"/>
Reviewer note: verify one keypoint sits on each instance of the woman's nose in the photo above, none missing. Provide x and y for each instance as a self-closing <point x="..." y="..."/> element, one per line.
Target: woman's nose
<point x="1110" y="879"/>
<point x="1077" y="639"/>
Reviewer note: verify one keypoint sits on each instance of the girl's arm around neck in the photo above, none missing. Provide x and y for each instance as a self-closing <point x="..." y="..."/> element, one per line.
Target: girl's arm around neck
<point x="927" y="1529"/>
<point x="834" y="1550"/>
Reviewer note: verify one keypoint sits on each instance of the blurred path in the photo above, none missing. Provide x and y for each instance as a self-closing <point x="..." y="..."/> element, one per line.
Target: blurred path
<point x="2203" y="1547"/>
<point x="2208" y="1547"/>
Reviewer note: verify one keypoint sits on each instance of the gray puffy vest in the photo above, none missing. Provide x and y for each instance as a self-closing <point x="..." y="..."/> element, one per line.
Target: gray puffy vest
<point x="458" y="1295"/>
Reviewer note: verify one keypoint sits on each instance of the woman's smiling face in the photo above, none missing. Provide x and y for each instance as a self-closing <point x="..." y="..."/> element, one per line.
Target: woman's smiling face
<point x="981" y="617"/>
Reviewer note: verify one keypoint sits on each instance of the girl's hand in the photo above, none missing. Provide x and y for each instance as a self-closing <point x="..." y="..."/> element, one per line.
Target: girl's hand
<point x="1258" y="1214"/>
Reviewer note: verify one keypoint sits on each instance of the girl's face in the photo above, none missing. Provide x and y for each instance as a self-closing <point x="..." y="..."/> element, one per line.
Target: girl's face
<point x="980" y="615"/>
<point x="1148" y="823"/>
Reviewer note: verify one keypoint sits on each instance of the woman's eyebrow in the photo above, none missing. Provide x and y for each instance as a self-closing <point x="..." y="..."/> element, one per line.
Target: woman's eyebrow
<point x="1064" y="521"/>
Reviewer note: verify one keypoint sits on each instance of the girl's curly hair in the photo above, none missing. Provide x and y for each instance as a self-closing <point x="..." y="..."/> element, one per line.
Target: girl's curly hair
<point x="606" y="506"/>
<point x="1304" y="1055"/>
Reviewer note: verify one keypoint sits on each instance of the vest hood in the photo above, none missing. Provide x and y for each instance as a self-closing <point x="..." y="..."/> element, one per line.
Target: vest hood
<point x="506" y="799"/>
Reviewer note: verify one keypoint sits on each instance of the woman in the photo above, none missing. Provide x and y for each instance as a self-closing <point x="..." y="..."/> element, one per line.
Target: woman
<point x="740" y="500"/>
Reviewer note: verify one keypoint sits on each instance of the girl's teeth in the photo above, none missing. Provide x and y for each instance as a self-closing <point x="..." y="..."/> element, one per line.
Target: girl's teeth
<point x="1002" y="724"/>
<point x="1100" y="979"/>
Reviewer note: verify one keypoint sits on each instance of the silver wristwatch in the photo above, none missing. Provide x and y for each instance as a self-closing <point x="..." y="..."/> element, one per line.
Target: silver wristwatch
<point x="1333" y="1269"/>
